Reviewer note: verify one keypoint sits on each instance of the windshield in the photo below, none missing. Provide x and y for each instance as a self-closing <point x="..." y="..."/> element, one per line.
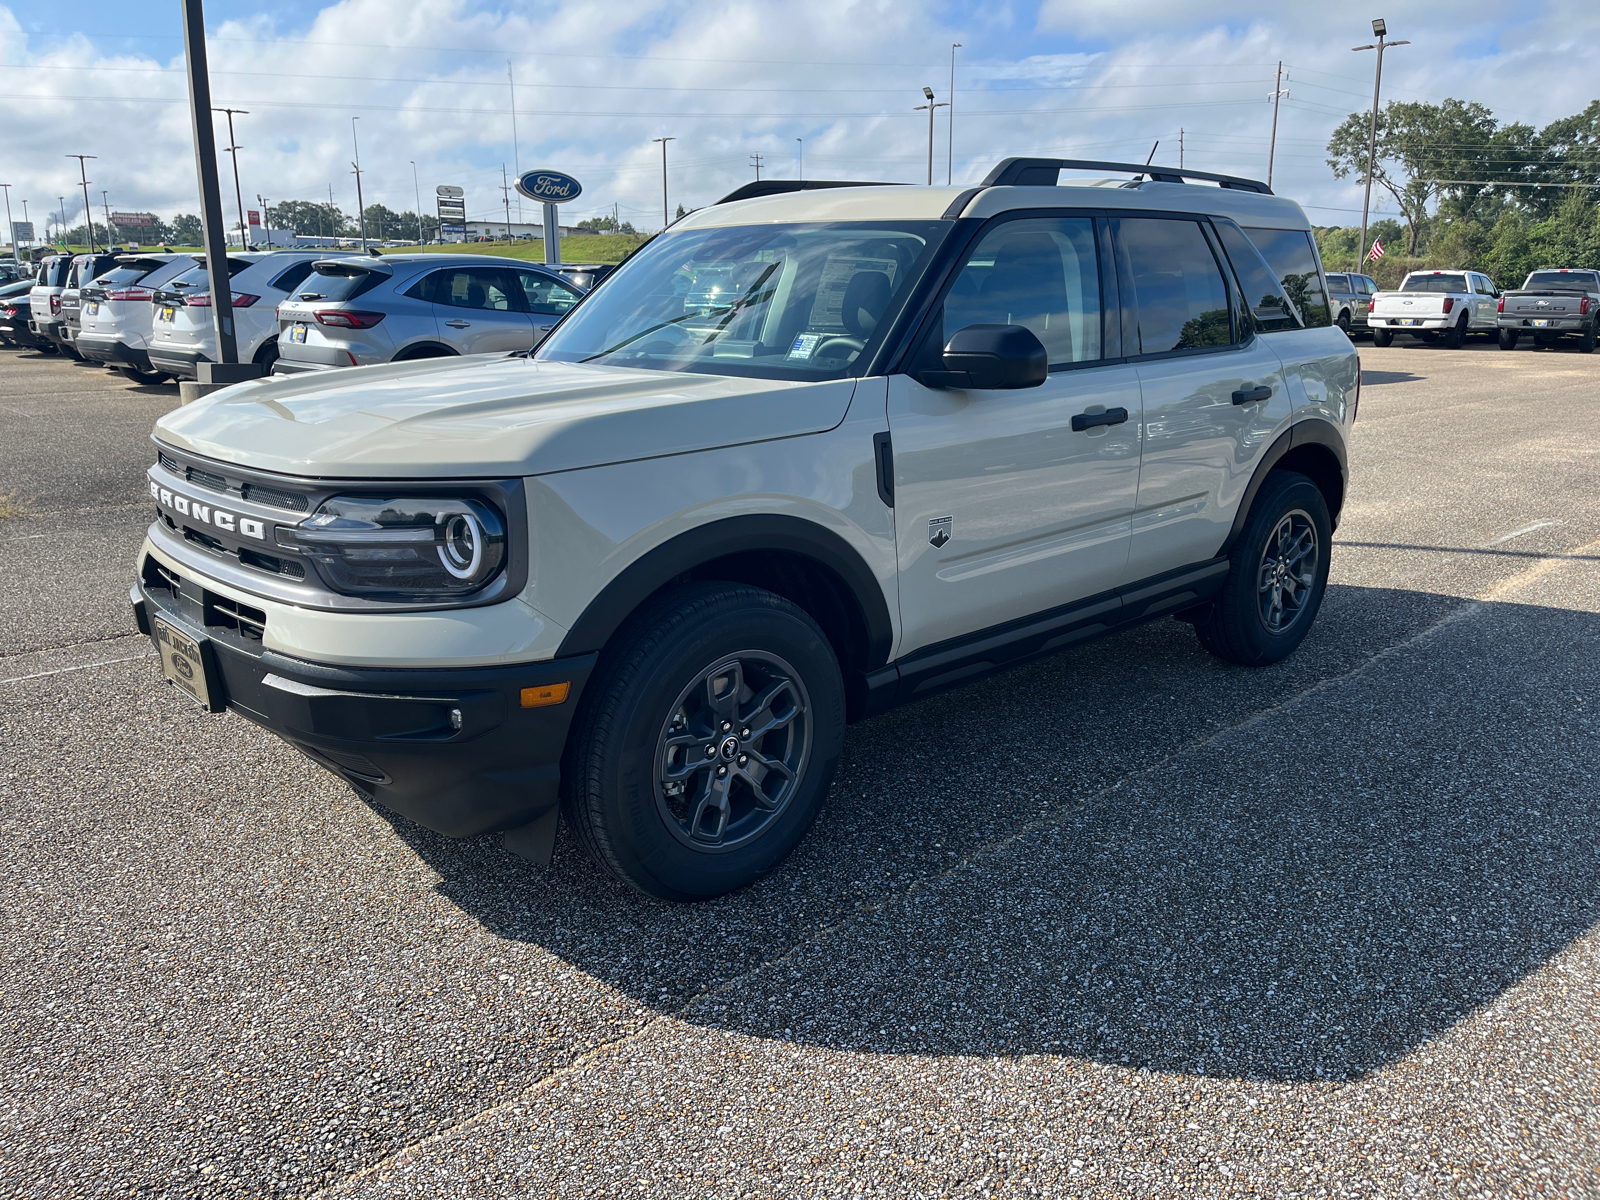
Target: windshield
<point x="1580" y="280"/>
<point x="1434" y="283"/>
<point x="773" y="301"/>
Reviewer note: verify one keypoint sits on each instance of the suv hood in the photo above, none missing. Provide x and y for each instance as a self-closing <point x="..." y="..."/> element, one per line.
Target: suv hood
<point x="490" y="416"/>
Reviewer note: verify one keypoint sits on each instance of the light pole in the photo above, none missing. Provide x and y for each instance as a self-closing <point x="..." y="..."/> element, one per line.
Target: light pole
<point x="88" y="213"/>
<point x="11" y="229"/>
<point x="950" y="148"/>
<point x="665" y="219"/>
<point x="105" y="205"/>
<point x="1381" y="29"/>
<point x="516" y="151"/>
<point x="61" y="229"/>
<point x="205" y="162"/>
<point x="418" y="187"/>
<point x="1278" y="93"/>
<point x="361" y="207"/>
<point x="801" y="153"/>
<point x="233" y="149"/>
<point x="930" y="106"/>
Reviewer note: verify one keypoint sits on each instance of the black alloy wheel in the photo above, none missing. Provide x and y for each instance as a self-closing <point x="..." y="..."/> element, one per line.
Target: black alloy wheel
<point x="1277" y="576"/>
<point x="707" y="741"/>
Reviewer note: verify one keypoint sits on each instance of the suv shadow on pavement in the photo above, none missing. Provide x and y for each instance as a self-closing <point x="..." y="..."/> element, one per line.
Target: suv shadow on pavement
<point x="1352" y="855"/>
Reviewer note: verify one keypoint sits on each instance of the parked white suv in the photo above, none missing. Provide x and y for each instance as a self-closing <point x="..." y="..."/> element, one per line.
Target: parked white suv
<point x="805" y="456"/>
<point x="183" y="335"/>
<point x="118" y="312"/>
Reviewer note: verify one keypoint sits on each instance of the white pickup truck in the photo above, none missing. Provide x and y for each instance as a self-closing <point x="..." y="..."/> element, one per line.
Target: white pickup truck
<point x="1435" y="305"/>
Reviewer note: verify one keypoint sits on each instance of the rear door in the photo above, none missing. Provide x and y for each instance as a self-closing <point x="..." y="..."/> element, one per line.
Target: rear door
<point x="1214" y="392"/>
<point x="1002" y="508"/>
<point x="479" y="310"/>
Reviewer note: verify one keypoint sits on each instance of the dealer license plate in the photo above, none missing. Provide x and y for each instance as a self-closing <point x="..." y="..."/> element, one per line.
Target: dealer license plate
<point x="181" y="662"/>
<point x="168" y="314"/>
<point x="297" y="333"/>
<point x="1541" y="323"/>
<point x="91" y="308"/>
<point x="1410" y="320"/>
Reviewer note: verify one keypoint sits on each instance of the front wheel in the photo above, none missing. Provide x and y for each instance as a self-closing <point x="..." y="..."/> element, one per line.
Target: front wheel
<point x="1508" y="339"/>
<point x="148" y="378"/>
<point x="1277" y="576"/>
<point x="1382" y="337"/>
<point x="708" y="742"/>
<point x="1344" y="323"/>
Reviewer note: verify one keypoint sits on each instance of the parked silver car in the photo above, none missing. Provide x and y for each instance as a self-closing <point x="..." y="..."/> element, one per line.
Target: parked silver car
<point x="117" y="313"/>
<point x="353" y="312"/>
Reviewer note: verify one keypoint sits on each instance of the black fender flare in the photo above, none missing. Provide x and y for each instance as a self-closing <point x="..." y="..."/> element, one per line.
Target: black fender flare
<point x="1314" y="431"/>
<point x="432" y="349"/>
<point x="657" y="568"/>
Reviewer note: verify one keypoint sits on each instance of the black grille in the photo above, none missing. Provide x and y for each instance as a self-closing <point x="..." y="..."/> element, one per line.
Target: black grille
<point x="342" y="762"/>
<point x="171" y="464"/>
<point x="249" y="623"/>
<point x="157" y="578"/>
<point x="204" y="539"/>
<point x="207" y="480"/>
<point x="268" y="562"/>
<point x="274" y="497"/>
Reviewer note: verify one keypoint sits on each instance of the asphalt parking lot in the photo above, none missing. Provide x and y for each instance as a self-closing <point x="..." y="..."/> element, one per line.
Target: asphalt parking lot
<point x="1125" y="922"/>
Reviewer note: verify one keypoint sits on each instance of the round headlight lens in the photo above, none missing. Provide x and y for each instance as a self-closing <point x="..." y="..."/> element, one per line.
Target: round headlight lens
<point x="403" y="548"/>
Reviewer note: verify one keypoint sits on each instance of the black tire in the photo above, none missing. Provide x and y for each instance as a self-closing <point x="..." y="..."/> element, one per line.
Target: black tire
<point x="1586" y="340"/>
<point x="267" y="355"/>
<point x="1239" y="627"/>
<point x="1508" y="339"/>
<point x="653" y="706"/>
<point x="1382" y="337"/>
<point x="147" y="378"/>
<point x="1544" y="340"/>
<point x="1457" y="335"/>
<point x="1344" y="323"/>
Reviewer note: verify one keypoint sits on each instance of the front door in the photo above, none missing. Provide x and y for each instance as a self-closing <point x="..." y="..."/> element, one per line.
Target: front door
<point x="479" y="310"/>
<point x="547" y="299"/>
<point x="1002" y="508"/>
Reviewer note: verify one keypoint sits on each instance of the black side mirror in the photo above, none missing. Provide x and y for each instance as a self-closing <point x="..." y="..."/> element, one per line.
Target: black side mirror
<point x="991" y="356"/>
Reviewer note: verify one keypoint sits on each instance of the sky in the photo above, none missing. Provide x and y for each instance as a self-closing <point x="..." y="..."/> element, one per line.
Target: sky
<point x="827" y="87"/>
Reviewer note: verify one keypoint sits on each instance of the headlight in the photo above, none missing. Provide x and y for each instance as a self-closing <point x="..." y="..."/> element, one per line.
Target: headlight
<point x="415" y="547"/>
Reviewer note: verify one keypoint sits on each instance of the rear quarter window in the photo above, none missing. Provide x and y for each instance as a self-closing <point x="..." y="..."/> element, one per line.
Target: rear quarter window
<point x="1293" y="257"/>
<point x="341" y="286"/>
<point x="292" y="278"/>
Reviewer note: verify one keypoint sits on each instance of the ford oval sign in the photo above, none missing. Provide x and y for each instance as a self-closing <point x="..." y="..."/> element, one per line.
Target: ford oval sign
<point x="552" y="187"/>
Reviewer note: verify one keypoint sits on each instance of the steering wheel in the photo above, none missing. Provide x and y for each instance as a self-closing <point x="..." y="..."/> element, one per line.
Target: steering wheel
<point x="850" y="343"/>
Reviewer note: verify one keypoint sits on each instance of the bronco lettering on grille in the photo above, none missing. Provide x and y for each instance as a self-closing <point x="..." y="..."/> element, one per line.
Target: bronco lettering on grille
<point x="205" y="514"/>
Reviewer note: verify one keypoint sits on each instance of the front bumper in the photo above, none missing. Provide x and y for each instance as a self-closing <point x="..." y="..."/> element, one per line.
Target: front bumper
<point x="451" y="748"/>
<point x="101" y="348"/>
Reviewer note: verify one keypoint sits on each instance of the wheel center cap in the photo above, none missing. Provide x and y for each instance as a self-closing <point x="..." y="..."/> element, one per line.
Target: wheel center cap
<point x="729" y="749"/>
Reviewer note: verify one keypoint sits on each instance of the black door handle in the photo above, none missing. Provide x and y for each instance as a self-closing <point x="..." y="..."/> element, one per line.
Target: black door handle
<point x="1111" y="416"/>
<point x="1251" y="395"/>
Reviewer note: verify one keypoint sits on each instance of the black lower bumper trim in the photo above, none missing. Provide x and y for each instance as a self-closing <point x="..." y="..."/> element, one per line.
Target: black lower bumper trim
<point x="451" y="748"/>
<point x="101" y="349"/>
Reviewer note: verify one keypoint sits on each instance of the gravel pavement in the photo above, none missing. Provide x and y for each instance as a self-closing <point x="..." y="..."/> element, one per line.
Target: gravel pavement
<point x="1124" y="922"/>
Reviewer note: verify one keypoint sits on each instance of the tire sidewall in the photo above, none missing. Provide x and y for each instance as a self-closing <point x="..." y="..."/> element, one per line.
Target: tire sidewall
<point x="1238" y="607"/>
<point x="622" y="791"/>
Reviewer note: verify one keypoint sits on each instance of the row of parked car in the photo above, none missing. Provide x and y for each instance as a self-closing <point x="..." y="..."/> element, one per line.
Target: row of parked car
<point x="1448" y="306"/>
<point x="148" y="315"/>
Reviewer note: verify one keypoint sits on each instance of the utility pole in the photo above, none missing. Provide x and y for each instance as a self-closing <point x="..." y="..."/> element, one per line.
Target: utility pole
<point x="950" y="145"/>
<point x="361" y="206"/>
<point x="1381" y="29"/>
<point x="516" y="153"/>
<point x="11" y="229"/>
<point x="1180" y="148"/>
<point x="61" y="229"/>
<point x="930" y="106"/>
<point x="665" y="219"/>
<point x="755" y="159"/>
<point x="205" y="160"/>
<point x="88" y="213"/>
<point x="801" y="155"/>
<point x="505" y="194"/>
<point x="421" y="241"/>
<point x="105" y="205"/>
<point x="233" y="149"/>
<point x="1278" y="93"/>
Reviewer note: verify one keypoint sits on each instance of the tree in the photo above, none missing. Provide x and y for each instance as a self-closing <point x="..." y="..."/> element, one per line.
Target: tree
<point x="187" y="230"/>
<point x="606" y="224"/>
<point x="1423" y="152"/>
<point x="79" y="236"/>
<point x="383" y="223"/>
<point x="309" y="218"/>
<point x="681" y="212"/>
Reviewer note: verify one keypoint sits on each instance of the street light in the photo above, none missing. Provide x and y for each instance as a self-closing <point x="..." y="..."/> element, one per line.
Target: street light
<point x="950" y="148"/>
<point x="665" y="219"/>
<point x="930" y="106"/>
<point x="801" y="154"/>
<point x="11" y="229"/>
<point x="1381" y="30"/>
<point x="233" y="149"/>
<point x="418" y="188"/>
<point x="88" y="213"/>
<point x="361" y="207"/>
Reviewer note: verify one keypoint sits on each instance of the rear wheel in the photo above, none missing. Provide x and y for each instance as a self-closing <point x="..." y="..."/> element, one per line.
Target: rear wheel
<point x="1544" y="340"/>
<point x="148" y="378"/>
<point x="708" y="742"/>
<point x="1508" y="339"/>
<point x="1586" y="340"/>
<point x="267" y="355"/>
<point x="1277" y="576"/>
<point x="1382" y="337"/>
<point x="1458" y="335"/>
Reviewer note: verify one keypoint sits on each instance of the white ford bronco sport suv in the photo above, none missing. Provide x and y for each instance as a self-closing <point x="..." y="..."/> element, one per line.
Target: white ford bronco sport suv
<point x="813" y="451"/>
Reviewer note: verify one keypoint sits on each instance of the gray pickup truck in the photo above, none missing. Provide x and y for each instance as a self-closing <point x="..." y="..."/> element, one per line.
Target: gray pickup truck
<point x="1550" y="305"/>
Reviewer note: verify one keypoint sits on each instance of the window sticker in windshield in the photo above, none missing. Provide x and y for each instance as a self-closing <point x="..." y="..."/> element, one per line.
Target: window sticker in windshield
<point x="805" y="345"/>
<point x="827" y="312"/>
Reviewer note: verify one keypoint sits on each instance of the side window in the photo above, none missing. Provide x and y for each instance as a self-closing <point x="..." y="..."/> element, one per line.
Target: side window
<point x="473" y="287"/>
<point x="546" y="295"/>
<point x="1268" y="304"/>
<point x="1293" y="257"/>
<point x="1174" y="286"/>
<point x="1043" y="274"/>
<point x="293" y="277"/>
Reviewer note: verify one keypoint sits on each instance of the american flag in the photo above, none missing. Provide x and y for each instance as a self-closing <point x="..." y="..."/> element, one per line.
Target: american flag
<point x="1376" y="252"/>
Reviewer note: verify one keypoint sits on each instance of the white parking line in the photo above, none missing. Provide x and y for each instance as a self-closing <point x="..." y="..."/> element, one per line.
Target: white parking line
<point x="1516" y="533"/>
<point x="83" y="667"/>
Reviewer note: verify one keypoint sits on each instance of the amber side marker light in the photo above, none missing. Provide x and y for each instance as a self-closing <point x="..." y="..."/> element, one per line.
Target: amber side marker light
<point x="550" y="693"/>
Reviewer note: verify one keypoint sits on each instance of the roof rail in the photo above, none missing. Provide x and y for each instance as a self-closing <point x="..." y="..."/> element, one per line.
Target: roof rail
<point x="1045" y="172"/>
<point x="774" y="187"/>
